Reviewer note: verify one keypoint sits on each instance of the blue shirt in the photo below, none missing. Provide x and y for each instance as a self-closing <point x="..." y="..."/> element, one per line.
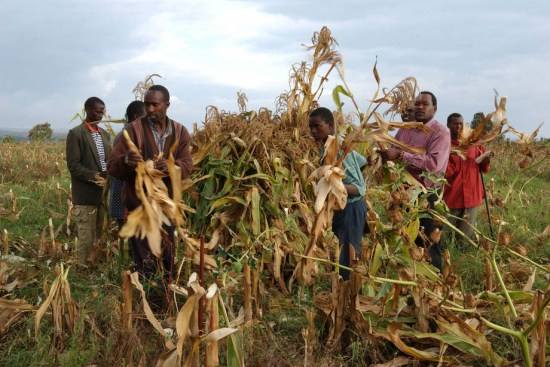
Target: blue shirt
<point x="353" y="175"/>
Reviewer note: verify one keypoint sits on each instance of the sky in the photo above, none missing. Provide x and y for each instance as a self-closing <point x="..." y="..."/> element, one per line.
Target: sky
<point x="55" y="54"/>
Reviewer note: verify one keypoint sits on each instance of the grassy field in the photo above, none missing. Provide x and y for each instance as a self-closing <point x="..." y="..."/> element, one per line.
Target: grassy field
<point x="34" y="188"/>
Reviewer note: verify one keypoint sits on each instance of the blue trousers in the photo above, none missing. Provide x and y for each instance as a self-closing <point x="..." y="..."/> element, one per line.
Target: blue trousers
<point x="348" y="226"/>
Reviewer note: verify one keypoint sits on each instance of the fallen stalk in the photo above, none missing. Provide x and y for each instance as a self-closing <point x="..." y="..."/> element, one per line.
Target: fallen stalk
<point x="367" y="276"/>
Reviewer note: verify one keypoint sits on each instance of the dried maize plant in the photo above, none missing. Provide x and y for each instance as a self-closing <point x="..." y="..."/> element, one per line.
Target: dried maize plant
<point x="399" y="97"/>
<point x="183" y="344"/>
<point x="262" y="206"/>
<point x="142" y="86"/>
<point x="400" y="283"/>
<point x="157" y="208"/>
<point x="525" y="142"/>
<point x="251" y="187"/>
<point x="499" y="125"/>
<point x="304" y="90"/>
<point x="481" y="135"/>
<point x="63" y="309"/>
<point x="330" y="195"/>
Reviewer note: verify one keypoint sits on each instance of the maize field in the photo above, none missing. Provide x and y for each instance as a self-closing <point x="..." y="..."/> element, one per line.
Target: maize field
<point x="256" y="280"/>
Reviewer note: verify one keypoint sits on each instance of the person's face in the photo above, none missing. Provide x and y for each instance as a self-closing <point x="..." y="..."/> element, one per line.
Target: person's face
<point x="424" y="110"/>
<point x="155" y="106"/>
<point x="456" y="124"/>
<point x="408" y="114"/>
<point x="95" y="113"/>
<point x="320" y="129"/>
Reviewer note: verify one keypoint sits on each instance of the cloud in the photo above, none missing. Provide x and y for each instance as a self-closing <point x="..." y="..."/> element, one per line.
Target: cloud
<point x="208" y="50"/>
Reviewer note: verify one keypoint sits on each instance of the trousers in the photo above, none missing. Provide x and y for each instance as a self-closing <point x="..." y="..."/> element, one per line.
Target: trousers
<point x="88" y="220"/>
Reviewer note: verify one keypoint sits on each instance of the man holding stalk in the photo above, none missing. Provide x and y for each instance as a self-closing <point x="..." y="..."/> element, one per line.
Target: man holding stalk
<point x="88" y="149"/>
<point x="154" y="135"/>
<point x="348" y="224"/>
<point x="464" y="191"/>
<point x="437" y="143"/>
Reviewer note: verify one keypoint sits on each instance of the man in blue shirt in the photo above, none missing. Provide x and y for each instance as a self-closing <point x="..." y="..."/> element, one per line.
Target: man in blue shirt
<point x="348" y="224"/>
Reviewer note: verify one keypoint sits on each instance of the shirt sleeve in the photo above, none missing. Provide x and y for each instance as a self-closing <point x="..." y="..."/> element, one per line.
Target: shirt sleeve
<point x="453" y="167"/>
<point x="354" y="176"/>
<point x="437" y="153"/>
<point x="74" y="159"/>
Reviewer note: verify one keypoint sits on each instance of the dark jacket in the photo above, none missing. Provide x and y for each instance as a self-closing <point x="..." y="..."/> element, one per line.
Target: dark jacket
<point x="141" y="134"/>
<point x="83" y="164"/>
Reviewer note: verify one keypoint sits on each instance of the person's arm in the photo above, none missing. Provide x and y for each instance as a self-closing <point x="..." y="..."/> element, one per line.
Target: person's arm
<point x="354" y="181"/>
<point x="352" y="189"/>
<point x="453" y="167"/>
<point x="183" y="154"/>
<point x="486" y="162"/>
<point x="76" y="168"/>
<point x="437" y="154"/>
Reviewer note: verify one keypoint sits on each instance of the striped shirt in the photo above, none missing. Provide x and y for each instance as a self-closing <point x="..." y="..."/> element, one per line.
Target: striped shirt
<point x="98" y="140"/>
<point x="160" y="138"/>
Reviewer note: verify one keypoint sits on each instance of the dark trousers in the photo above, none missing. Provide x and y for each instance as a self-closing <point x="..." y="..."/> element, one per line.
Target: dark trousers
<point x="430" y="225"/>
<point x="348" y="225"/>
<point x="146" y="263"/>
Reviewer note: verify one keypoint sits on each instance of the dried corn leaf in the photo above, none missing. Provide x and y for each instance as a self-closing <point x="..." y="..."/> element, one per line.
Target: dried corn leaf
<point x="11" y="311"/>
<point x="134" y="277"/>
<point x="394" y="337"/>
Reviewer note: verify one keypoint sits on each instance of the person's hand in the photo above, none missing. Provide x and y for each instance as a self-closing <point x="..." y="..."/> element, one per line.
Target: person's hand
<point x="391" y="154"/>
<point x="99" y="180"/>
<point x="161" y="165"/>
<point x="132" y="158"/>
<point x="485" y="157"/>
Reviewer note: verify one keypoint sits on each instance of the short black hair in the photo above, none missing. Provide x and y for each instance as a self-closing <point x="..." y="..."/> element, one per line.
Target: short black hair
<point x="434" y="100"/>
<point x="92" y="101"/>
<point x="453" y="115"/>
<point x="134" y="110"/>
<point x="324" y="113"/>
<point x="162" y="89"/>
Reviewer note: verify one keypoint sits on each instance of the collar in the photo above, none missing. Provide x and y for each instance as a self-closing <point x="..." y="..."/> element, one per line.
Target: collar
<point x="93" y="128"/>
<point x="167" y="131"/>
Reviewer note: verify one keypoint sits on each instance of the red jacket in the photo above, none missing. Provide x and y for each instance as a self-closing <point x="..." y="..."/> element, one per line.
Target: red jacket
<point x="464" y="188"/>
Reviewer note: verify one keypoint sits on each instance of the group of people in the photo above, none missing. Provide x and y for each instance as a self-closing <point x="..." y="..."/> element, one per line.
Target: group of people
<point x="463" y="192"/>
<point x="94" y="162"/>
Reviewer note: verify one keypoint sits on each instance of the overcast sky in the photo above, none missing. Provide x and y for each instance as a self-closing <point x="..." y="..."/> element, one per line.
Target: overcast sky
<point x="55" y="54"/>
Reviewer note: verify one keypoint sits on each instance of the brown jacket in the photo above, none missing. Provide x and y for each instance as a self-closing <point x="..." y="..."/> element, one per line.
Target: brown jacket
<point x="141" y="134"/>
<point x="83" y="164"/>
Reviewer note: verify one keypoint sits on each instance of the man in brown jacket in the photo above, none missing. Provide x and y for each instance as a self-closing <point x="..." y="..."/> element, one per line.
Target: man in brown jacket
<point x="88" y="148"/>
<point x="153" y="134"/>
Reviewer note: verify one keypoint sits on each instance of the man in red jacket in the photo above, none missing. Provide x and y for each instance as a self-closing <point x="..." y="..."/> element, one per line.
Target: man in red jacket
<point x="464" y="190"/>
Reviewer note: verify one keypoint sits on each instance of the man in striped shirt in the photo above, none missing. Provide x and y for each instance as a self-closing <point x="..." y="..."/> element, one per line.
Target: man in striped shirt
<point x="88" y="148"/>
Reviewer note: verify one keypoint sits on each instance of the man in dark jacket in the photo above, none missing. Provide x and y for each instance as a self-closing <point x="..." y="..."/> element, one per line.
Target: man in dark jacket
<point x="154" y="135"/>
<point x="88" y="148"/>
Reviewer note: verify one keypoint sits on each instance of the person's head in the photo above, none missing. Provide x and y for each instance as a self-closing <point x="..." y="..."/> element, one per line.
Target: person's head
<point x="408" y="114"/>
<point x="455" y="123"/>
<point x="321" y="124"/>
<point x="135" y="110"/>
<point x="95" y="109"/>
<point x="157" y="100"/>
<point x="425" y="106"/>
